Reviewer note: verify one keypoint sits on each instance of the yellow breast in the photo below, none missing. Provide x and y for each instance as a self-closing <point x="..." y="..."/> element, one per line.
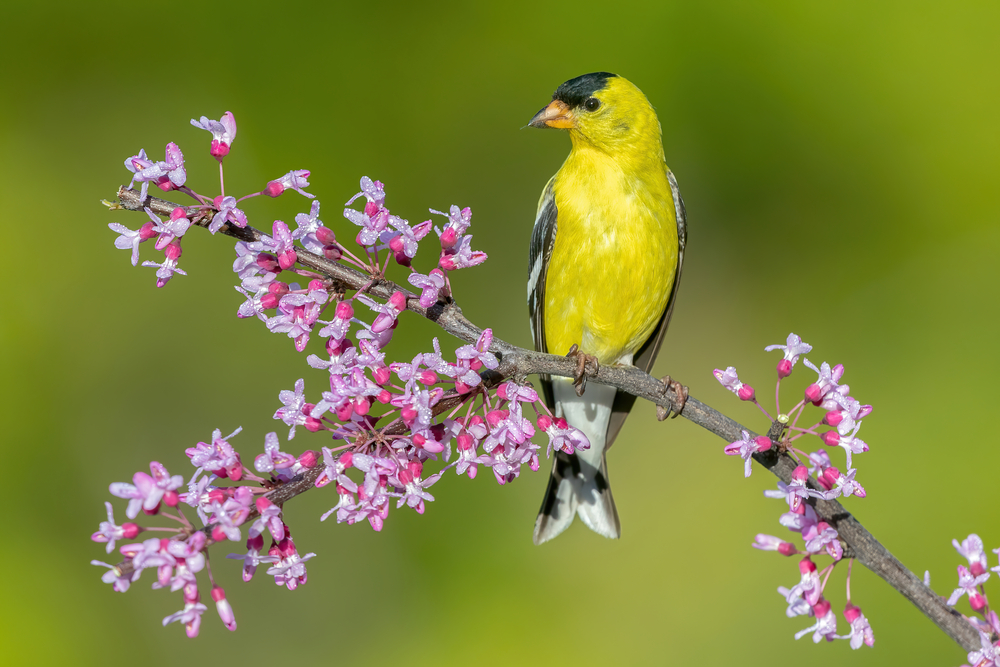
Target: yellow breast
<point x="614" y="259"/>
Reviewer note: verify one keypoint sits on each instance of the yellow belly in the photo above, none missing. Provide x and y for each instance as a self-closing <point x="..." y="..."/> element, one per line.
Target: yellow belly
<point x="614" y="260"/>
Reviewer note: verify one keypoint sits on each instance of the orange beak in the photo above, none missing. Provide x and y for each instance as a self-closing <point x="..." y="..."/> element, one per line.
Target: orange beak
<point x="556" y="114"/>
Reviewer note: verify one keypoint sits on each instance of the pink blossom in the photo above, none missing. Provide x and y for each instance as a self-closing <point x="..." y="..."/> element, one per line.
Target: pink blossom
<point x="792" y="348"/>
<point x="293" y="180"/>
<point x="223" y="132"/>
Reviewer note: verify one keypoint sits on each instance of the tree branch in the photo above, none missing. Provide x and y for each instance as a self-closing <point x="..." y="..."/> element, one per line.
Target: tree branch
<point x="518" y="363"/>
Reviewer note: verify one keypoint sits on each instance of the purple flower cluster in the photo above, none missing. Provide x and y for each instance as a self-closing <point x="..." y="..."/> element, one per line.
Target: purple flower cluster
<point x="843" y="413"/>
<point x="971" y="584"/>
<point x="395" y="427"/>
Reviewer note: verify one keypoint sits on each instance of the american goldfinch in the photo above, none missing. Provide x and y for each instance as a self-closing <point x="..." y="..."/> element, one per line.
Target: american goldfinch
<point x="604" y="265"/>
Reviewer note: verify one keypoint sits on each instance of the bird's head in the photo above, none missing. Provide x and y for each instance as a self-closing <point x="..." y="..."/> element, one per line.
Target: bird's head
<point x="604" y="110"/>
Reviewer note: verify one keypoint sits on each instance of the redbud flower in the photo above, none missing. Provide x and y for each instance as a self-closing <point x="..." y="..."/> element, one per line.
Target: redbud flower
<point x="827" y="382"/>
<point x="861" y="631"/>
<point x="110" y="532"/>
<point x="771" y="543"/>
<point x="746" y="448"/>
<point x="224" y="608"/>
<point x="293" y="180"/>
<point x="462" y="256"/>
<point x="227" y="212"/>
<point x="972" y="549"/>
<point x="731" y="381"/>
<point x="431" y="285"/>
<point x="792" y="348"/>
<point x="458" y="222"/>
<point x="826" y="623"/>
<point x="988" y="655"/>
<point x="223" y="132"/>
<point x="190" y="616"/>
<point x="273" y="458"/>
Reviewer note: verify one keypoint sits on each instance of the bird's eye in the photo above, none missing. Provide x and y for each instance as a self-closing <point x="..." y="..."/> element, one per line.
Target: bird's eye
<point x="592" y="104"/>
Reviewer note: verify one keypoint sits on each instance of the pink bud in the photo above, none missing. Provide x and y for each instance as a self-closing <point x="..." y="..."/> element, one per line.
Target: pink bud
<point x="977" y="601"/>
<point x="235" y="471"/>
<point x="396" y="244"/>
<point x="977" y="569"/>
<point x="428" y="377"/>
<point x="851" y="613"/>
<point x="268" y="262"/>
<point x="326" y="236"/>
<point x="384" y="397"/>
<point x="381" y="375"/>
<point x="146" y="232"/>
<point x="171" y="498"/>
<point x="806" y="566"/>
<point x="287" y="259"/>
<point x="416" y="467"/>
<point x="786" y="549"/>
<point x="800" y="474"/>
<point x="371" y="209"/>
<point x="784" y="368"/>
<point x="465" y="441"/>
<point x="173" y="250"/>
<point x="224" y="608"/>
<point x="345" y="310"/>
<point x="448" y="237"/>
<point x="814" y="393"/>
<point x="833" y="417"/>
<point x="332" y="252"/>
<point x="274" y="188"/>
<point x="255" y="543"/>
<point x="544" y="422"/>
<point x="278" y="288"/>
<point x="398" y="301"/>
<point x="130" y="530"/>
<point x="262" y="503"/>
<point x="821" y="608"/>
<point x="218" y="534"/>
<point x="746" y="393"/>
<point x="362" y="405"/>
<point x="830" y="438"/>
<point x="763" y="443"/>
<point x="461" y="387"/>
<point x="152" y="512"/>
<point x="345" y="411"/>
<point x="308" y="458"/>
<point x="408" y="415"/>
<point x="269" y="301"/>
<point x="178" y="213"/>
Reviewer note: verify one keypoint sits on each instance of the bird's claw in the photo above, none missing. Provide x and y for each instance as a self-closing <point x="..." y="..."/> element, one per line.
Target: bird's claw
<point x="582" y="361"/>
<point x="680" y="391"/>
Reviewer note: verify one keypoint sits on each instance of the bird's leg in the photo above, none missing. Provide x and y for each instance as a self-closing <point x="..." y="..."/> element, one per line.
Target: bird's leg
<point x="582" y="360"/>
<point x="682" y="395"/>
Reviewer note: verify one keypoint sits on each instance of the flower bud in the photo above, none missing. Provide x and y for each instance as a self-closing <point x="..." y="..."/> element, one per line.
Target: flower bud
<point x="224" y="608"/>
<point x="746" y="393"/>
<point x="784" y="369"/>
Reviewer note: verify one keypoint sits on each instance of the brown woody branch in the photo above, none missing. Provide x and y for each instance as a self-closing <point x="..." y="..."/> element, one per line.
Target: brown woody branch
<point x="518" y="363"/>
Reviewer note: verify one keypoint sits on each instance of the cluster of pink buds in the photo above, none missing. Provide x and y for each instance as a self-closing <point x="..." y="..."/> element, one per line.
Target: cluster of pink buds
<point x="394" y="427"/>
<point x="843" y="414"/>
<point x="971" y="585"/>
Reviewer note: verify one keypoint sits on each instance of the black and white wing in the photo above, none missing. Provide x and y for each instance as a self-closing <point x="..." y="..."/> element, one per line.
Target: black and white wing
<point x="543" y="239"/>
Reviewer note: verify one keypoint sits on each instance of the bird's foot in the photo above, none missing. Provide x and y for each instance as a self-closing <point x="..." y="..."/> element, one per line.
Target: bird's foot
<point x="681" y="393"/>
<point x="583" y="360"/>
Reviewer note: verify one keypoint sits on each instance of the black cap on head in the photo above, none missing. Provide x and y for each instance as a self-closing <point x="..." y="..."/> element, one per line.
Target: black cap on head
<point x="575" y="91"/>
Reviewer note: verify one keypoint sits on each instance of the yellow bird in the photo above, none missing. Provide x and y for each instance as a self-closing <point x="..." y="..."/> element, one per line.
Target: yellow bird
<point x="604" y="265"/>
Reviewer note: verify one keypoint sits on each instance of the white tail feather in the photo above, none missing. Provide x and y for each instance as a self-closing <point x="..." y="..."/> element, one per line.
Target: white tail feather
<point x="579" y="483"/>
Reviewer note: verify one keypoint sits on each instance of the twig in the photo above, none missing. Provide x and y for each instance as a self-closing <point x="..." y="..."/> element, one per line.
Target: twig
<point x="518" y="363"/>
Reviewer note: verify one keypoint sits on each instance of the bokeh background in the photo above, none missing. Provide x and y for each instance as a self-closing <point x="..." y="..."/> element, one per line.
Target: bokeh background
<point x="840" y="167"/>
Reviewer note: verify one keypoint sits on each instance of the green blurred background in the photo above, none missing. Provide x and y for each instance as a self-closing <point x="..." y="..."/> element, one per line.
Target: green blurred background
<point x="839" y="163"/>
